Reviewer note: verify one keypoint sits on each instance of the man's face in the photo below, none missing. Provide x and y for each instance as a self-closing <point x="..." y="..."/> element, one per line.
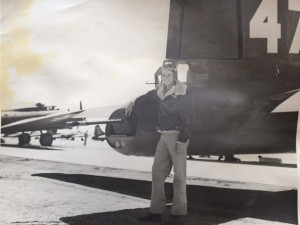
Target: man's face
<point x="167" y="77"/>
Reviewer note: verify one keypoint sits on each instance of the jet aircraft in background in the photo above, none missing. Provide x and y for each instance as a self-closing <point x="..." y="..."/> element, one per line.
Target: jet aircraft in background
<point x="46" y="119"/>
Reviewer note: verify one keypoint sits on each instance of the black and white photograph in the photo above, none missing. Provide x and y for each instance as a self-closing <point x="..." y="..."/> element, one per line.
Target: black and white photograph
<point x="167" y="112"/>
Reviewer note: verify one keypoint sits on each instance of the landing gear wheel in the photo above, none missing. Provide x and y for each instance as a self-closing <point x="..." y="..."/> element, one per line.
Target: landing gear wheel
<point x="24" y="139"/>
<point x="46" y="139"/>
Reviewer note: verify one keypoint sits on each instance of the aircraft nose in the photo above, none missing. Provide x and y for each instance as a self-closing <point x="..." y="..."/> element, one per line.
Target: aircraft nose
<point x="127" y="127"/>
<point x="120" y="136"/>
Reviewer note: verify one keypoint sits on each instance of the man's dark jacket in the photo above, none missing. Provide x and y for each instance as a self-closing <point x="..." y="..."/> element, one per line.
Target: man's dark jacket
<point x="175" y="109"/>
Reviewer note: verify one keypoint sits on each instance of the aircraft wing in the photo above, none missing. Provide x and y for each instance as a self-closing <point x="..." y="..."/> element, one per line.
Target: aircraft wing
<point x="103" y="112"/>
<point x="84" y="123"/>
<point x="52" y="121"/>
<point x="66" y="135"/>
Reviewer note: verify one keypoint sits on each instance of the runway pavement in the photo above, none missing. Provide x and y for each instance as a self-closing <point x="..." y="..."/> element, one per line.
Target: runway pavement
<point x="40" y="186"/>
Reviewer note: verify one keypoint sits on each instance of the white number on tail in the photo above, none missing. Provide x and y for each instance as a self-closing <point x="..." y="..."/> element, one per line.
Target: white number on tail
<point x="264" y="24"/>
<point x="294" y="5"/>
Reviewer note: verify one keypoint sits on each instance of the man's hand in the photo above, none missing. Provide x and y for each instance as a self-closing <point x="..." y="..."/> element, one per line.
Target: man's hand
<point x="182" y="147"/>
<point x="129" y="109"/>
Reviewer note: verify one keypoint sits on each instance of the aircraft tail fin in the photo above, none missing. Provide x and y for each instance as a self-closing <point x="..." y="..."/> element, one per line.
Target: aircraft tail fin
<point x="98" y="131"/>
<point x="80" y="105"/>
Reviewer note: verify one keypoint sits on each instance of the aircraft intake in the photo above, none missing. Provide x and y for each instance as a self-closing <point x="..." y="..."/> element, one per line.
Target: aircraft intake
<point x="120" y="135"/>
<point x="135" y="134"/>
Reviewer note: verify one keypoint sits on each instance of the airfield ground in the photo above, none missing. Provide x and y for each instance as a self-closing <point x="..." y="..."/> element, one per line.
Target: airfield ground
<point x="62" y="185"/>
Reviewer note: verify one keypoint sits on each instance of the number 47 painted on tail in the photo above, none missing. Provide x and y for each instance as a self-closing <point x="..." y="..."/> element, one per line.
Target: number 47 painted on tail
<point x="264" y="25"/>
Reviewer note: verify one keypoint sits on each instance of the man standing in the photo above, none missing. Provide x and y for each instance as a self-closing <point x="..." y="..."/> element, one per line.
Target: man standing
<point x="85" y="138"/>
<point x="174" y="125"/>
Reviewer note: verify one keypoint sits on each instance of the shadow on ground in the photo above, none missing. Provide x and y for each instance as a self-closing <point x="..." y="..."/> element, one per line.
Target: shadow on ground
<point x="288" y="165"/>
<point x="206" y="205"/>
<point x="31" y="147"/>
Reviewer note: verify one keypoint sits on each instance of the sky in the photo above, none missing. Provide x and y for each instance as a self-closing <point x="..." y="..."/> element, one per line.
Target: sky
<point x="59" y="52"/>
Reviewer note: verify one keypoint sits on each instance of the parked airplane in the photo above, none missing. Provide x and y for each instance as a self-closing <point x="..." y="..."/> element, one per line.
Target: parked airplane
<point x="98" y="134"/>
<point x="13" y="115"/>
<point x="243" y="64"/>
<point x="41" y="118"/>
<point x="69" y="134"/>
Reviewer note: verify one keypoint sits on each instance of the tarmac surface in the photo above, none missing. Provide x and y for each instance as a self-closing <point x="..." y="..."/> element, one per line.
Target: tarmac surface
<point x="39" y="191"/>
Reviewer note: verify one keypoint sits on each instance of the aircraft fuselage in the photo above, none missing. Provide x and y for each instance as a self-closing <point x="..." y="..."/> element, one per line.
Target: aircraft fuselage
<point x="243" y="62"/>
<point x="232" y="114"/>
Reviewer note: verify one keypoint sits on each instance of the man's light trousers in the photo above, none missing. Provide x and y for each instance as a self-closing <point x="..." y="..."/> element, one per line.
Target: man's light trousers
<point x="166" y="157"/>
